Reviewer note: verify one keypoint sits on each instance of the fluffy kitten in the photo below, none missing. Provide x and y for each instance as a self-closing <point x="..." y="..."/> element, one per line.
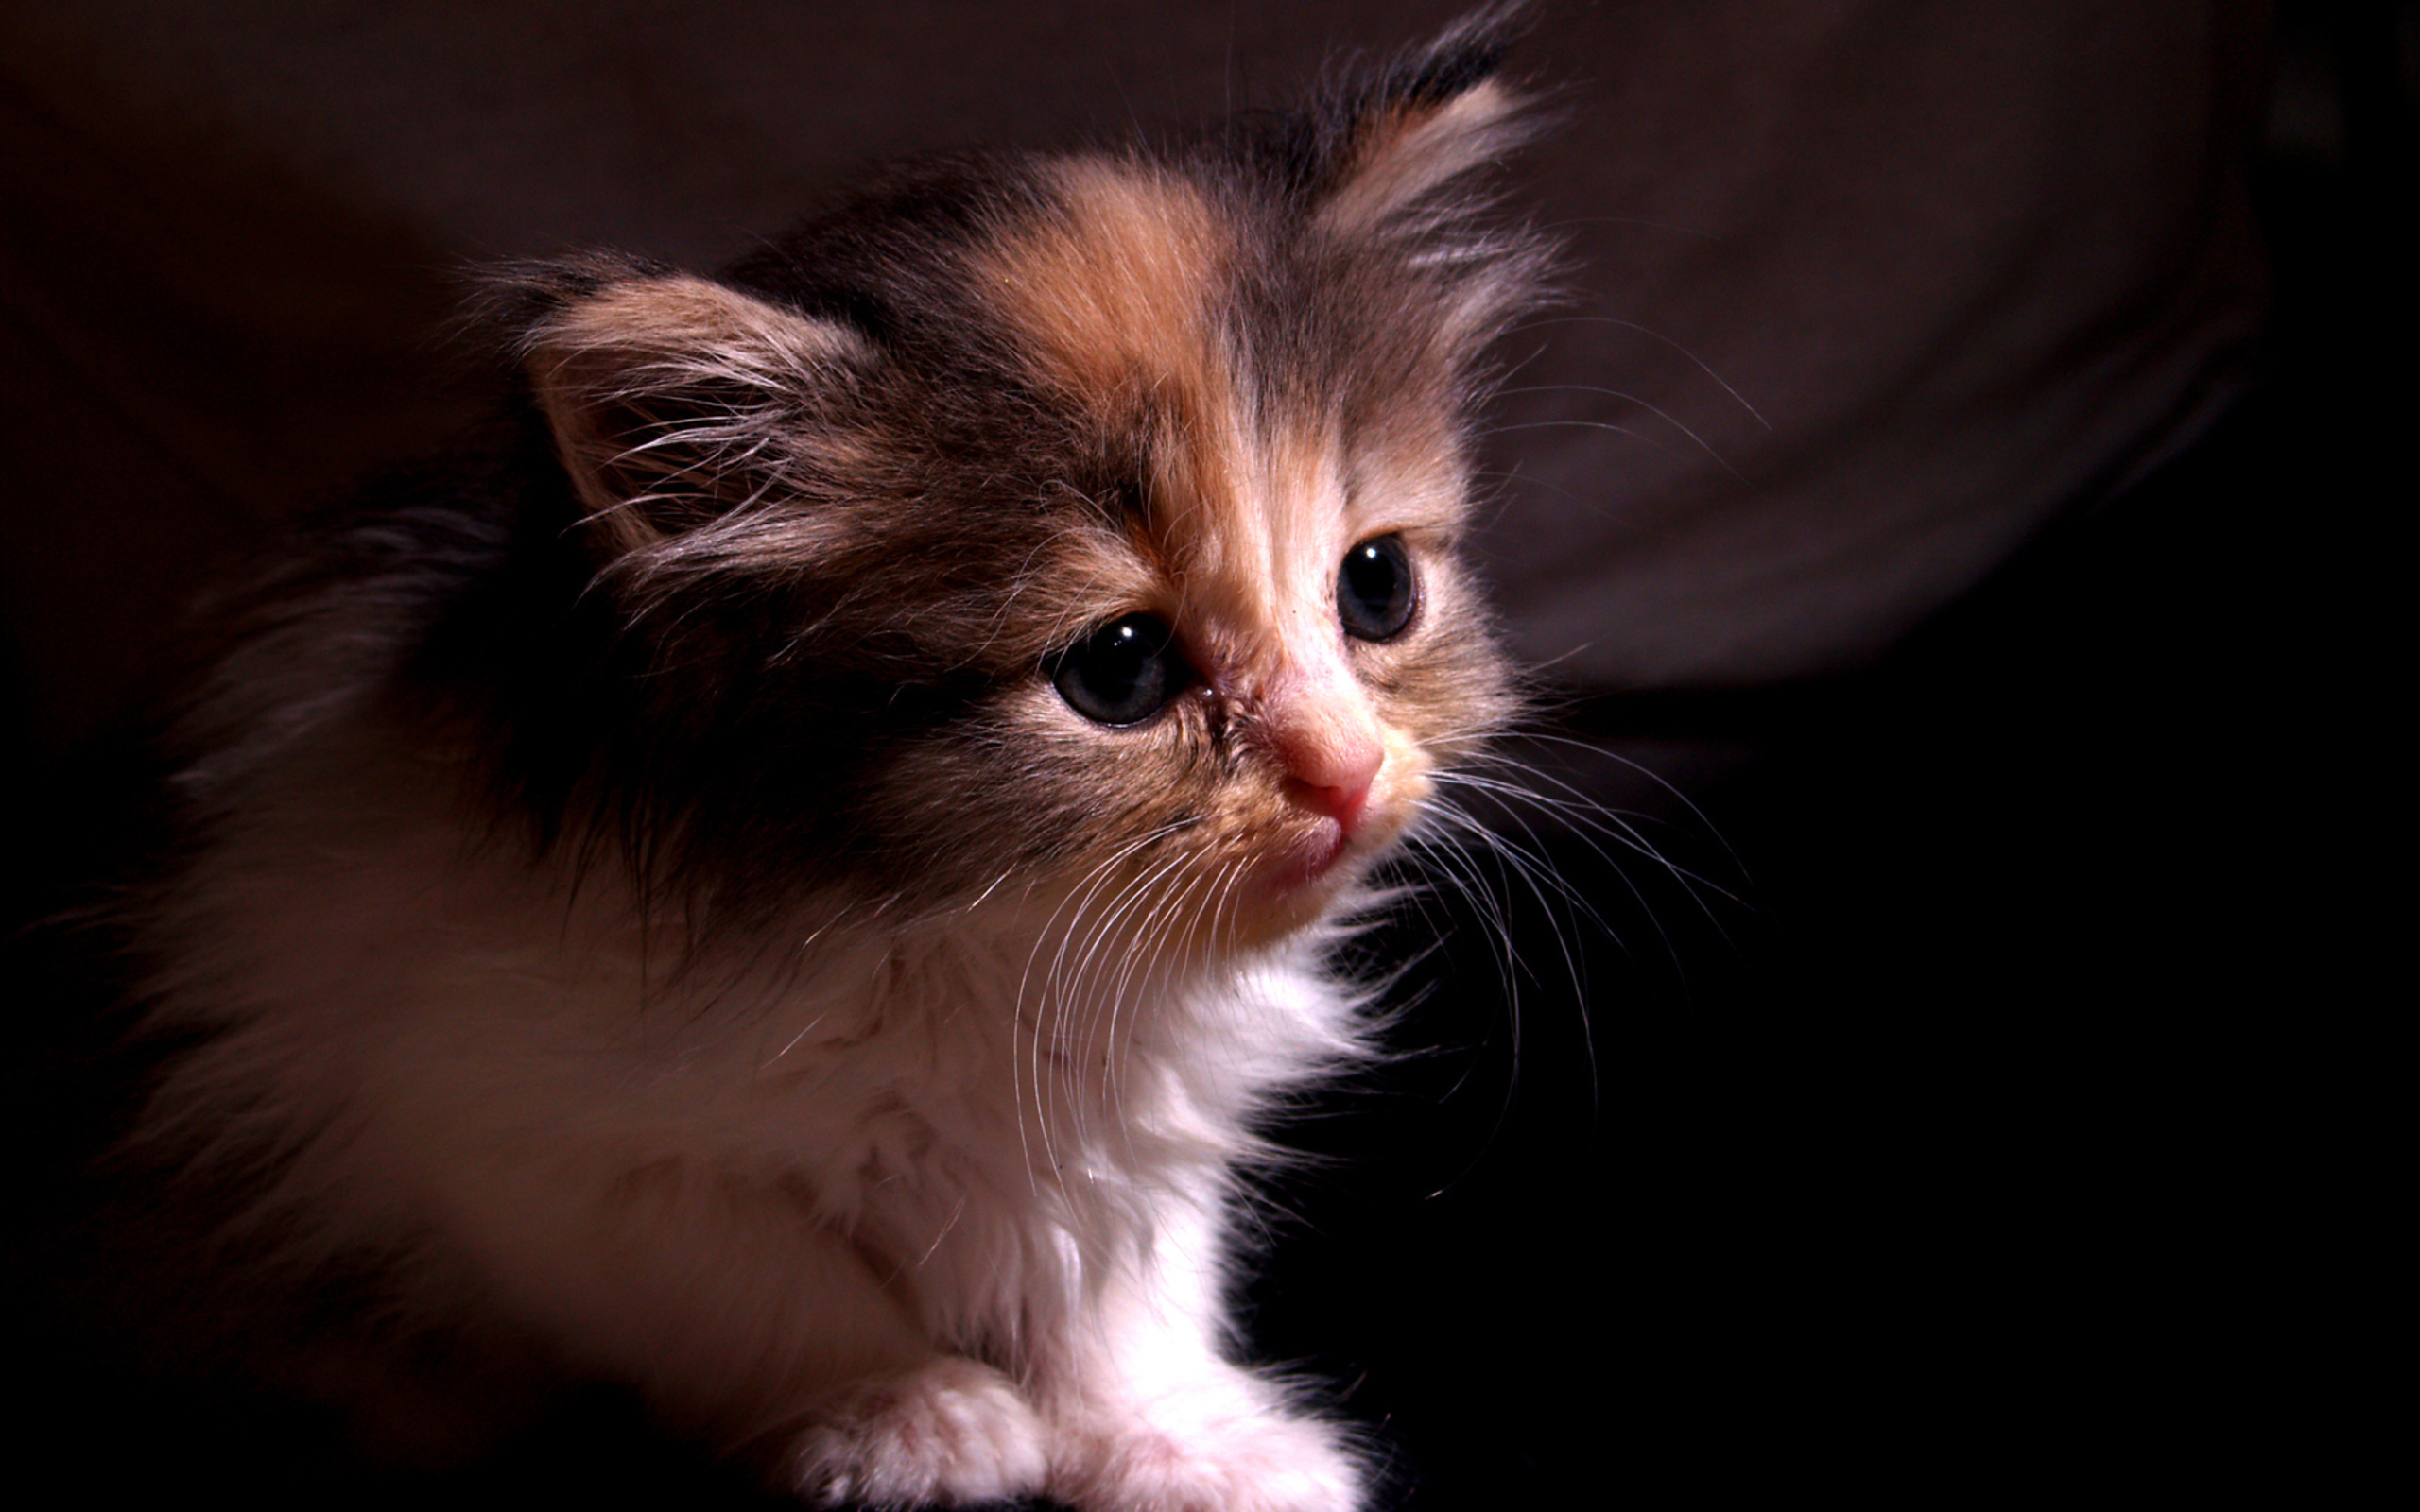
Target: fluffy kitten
<point x="792" y="892"/>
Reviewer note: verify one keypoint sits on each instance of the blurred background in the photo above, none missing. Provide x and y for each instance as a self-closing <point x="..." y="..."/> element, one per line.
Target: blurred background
<point x="1948" y="511"/>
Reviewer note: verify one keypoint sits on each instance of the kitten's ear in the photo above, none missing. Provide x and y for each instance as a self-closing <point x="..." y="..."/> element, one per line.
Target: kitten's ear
<point x="675" y="400"/>
<point x="1402" y="136"/>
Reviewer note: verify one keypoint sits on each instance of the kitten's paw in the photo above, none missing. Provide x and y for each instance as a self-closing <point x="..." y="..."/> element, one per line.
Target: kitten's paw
<point x="1256" y="1463"/>
<point x="950" y="1433"/>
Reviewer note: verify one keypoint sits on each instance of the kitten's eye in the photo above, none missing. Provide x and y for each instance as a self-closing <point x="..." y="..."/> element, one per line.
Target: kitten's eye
<point x="1123" y="673"/>
<point x="1375" y="591"/>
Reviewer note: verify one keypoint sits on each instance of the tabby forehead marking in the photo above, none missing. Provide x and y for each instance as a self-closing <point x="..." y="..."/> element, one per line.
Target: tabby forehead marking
<point x="1113" y="289"/>
<point x="1115" y="293"/>
<point x="1255" y="564"/>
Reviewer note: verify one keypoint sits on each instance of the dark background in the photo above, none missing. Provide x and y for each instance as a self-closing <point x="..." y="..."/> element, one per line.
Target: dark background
<point x="1981" y="1088"/>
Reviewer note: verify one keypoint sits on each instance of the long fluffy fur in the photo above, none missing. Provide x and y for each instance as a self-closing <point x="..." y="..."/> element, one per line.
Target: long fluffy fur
<point x="645" y="892"/>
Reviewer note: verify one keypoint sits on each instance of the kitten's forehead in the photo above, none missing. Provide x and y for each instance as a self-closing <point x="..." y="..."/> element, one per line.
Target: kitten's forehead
<point x="1124" y="295"/>
<point x="1113" y="280"/>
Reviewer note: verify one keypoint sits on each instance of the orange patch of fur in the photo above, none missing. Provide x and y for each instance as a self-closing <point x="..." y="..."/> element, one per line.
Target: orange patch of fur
<point x="1113" y="294"/>
<point x="1112" y="291"/>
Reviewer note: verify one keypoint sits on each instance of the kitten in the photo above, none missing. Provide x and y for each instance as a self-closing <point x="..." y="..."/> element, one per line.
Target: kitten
<point x="793" y="891"/>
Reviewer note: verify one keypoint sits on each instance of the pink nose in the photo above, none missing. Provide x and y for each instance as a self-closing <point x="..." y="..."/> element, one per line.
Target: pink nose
<point x="1332" y="782"/>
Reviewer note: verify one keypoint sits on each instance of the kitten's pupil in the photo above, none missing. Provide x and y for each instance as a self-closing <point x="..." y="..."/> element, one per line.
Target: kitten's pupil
<point x="1375" y="588"/>
<point x="1121" y="674"/>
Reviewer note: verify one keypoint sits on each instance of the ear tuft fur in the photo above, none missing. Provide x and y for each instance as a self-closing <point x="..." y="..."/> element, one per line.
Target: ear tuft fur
<point x="1422" y="123"/>
<point x="674" y="399"/>
<point x="1469" y="52"/>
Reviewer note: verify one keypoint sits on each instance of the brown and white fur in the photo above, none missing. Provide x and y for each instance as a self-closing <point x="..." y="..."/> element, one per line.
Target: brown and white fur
<point x="648" y="894"/>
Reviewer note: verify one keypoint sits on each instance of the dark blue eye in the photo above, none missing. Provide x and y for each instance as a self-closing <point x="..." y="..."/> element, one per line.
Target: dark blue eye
<point x="1375" y="591"/>
<point x="1122" y="673"/>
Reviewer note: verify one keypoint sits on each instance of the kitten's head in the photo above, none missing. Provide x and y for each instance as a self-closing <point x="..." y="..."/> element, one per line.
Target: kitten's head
<point x="1081" y="525"/>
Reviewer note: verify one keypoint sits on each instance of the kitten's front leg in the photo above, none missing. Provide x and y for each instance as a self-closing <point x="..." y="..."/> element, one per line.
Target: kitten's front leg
<point x="950" y="1433"/>
<point x="1225" y="1444"/>
<point x="1155" y="1420"/>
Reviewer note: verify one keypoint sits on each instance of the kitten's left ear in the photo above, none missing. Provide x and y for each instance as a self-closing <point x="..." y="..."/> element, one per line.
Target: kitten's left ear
<point x="674" y="399"/>
<point x="1405" y="135"/>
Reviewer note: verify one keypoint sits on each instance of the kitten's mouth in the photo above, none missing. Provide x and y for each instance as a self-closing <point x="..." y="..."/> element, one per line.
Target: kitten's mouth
<point x="1311" y="859"/>
<point x="1329" y="851"/>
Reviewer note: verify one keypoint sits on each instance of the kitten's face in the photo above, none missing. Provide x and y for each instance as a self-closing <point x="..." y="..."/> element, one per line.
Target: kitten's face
<point x="1085" y="531"/>
<point x="1253" y="649"/>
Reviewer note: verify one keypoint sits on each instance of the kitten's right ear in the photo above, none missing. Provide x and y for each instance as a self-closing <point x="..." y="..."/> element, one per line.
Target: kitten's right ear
<point x="674" y="401"/>
<point x="1407" y="134"/>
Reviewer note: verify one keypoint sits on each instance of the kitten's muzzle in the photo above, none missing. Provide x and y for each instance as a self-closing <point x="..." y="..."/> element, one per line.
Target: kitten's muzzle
<point x="1343" y="801"/>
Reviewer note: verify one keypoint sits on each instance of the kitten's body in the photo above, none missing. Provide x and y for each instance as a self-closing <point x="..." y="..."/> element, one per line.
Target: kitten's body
<point x="668" y="901"/>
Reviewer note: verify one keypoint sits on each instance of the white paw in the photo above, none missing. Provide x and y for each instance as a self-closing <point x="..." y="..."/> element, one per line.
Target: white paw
<point x="1257" y="1463"/>
<point x="950" y="1433"/>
